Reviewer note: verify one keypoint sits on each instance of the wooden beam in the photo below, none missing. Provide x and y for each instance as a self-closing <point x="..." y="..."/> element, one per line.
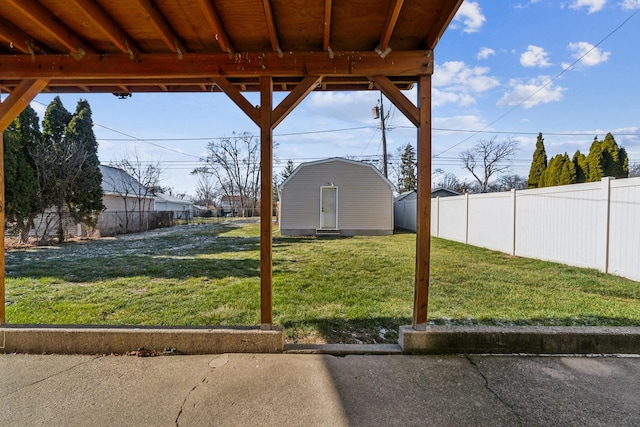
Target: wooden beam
<point x="48" y="22"/>
<point x="266" y="194"/>
<point x="271" y="25"/>
<point x="215" y="23"/>
<point x="294" y="98"/>
<point x="327" y="25"/>
<point x="239" y="99"/>
<point x="403" y="104"/>
<point x="444" y="19"/>
<point x="423" y="215"/>
<point x="21" y="96"/>
<point x="97" y="67"/>
<point x="108" y="26"/>
<point x="19" y="39"/>
<point x="3" y="317"/>
<point x="390" y="24"/>
<point x="163" y="28"/>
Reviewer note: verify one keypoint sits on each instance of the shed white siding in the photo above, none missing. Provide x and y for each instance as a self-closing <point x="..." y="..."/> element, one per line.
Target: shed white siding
<point x="365" y="198"/>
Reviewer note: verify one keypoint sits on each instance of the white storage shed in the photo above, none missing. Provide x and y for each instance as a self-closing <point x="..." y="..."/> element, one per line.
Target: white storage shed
<point x="336" y="196"/>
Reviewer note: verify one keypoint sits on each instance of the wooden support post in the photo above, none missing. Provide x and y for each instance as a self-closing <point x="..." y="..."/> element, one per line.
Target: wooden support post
<point x="266" y="194"/>
<point x="423" y="218"/>
<point x="10" y="108"/>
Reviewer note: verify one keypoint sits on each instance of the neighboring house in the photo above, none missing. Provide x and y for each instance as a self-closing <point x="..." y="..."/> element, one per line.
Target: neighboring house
<point x="336" y="196"/>
<point x="128" y="207"/>
<point x="443" y="192"/>
<point x="181" y="209"/>
<point x="127" y="203"/>
<point x="405" y="209"/>
<point x="230" y="205"/>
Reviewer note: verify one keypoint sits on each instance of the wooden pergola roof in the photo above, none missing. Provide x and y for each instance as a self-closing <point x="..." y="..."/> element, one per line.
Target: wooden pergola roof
<point x="182" y="45"/>
<point x="231" y="46"/>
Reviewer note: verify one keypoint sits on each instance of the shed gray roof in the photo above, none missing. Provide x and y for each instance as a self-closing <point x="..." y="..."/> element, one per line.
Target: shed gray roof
<point x="338" y="159"/>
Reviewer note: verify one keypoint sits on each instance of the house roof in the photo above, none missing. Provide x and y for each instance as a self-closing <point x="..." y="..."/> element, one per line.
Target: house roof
<point x="161" y="197"/>
<point x="341" y="160"/>
<point x="404" y="195"/>
<point x="85" y="46"/>
<point x="445" y="190"/>
<point x="116" y="181"/>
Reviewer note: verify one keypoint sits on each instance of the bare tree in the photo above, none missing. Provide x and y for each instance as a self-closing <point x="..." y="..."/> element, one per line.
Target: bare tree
<point x="235" y="164"/>
<point x="148" y="176"/>
<point x="205" y="188"/>
<point x="489" y="158"/>
<point x="634" y="170"/>
<point x="510" y="182"/>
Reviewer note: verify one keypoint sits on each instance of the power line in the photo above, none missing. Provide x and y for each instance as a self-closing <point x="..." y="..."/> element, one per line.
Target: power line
<point x="557" y="76"/>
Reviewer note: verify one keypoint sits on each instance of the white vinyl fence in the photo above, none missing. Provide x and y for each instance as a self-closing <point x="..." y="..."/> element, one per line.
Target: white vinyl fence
<point x="593" y="225"/>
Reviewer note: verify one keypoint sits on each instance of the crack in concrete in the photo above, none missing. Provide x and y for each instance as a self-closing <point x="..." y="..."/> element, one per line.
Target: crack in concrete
<point x="70" y="368"/>
<point x="186" y="398"/>
<point x="493" y="392"/>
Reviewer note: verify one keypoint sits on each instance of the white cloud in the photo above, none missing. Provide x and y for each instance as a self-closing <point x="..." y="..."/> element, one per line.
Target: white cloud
<point x="471" y="16"/>
<point x="631" y="4"/>
<point x="531" y="93"/>
<point x="592" y="55"/>
<point x="486" y="52"/>
<point x="343" y="106"/>
<point x="593" y="5"/>
<point x="456" y="82"/>
<point x="535" y="56"/>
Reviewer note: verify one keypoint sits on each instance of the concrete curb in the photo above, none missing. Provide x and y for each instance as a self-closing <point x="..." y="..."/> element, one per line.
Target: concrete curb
<point x="107" y="340"/>
<point x="520" y="339"/>
<point x="433" y="340"/>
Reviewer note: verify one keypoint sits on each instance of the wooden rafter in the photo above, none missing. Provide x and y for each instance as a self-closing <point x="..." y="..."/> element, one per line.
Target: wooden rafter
<point x="294" y="98"/>
<point x="390" y="24"/>
<point x="327" y="25"/>
<point x="159" y="66"/>
<point x="403" y="104"/>
<point x="108" y="26"/>
<point x="235" y="95"/>
<point x="21" y="96"/>
<point x="215" y="23"/>
<point x="48" y="22"/>
<point x="441" y="24"/>
<point x="18" y="38"/>
<point x="271" y="25"/>
<point x="163" y="28"/>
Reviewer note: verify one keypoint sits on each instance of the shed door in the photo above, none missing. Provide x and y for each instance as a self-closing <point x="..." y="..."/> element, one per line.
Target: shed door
<point x="329" y="207"/>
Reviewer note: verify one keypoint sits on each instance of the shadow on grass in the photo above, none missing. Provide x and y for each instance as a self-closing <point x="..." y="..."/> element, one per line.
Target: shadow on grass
<point x="206" y="253"/>
<point x="375" y="330"/>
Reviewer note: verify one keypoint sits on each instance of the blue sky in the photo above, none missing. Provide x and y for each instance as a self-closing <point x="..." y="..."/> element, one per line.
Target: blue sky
<point x="504" y="69"/>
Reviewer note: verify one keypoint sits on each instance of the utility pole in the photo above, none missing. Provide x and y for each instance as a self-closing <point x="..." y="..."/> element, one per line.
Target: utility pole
<point x="378" y="112"/>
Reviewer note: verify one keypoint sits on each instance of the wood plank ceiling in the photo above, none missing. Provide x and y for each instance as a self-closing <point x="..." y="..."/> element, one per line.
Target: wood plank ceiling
<point x="196" y="45"/>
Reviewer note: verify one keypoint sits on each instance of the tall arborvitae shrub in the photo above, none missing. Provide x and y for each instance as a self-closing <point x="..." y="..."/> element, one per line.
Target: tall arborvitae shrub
<point x="538" y="164"/>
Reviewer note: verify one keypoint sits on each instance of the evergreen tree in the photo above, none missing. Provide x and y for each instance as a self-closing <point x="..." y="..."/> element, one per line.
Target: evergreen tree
<point x="407" y="178"/>
<point x="288" y="170"/>
<point x="67" y="165"/>
<point x="538" y="164"/>
<point x="581" y="166"/>
<point x="85" y="197"/>
<point x="567" y="171"/>
<point x="607" y="159"/>
<point x="21" y="185"/>
<point x="560" y="171"/>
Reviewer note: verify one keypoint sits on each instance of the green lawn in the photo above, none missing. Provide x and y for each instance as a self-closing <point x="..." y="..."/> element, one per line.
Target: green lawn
<point x="348" y="290"/>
